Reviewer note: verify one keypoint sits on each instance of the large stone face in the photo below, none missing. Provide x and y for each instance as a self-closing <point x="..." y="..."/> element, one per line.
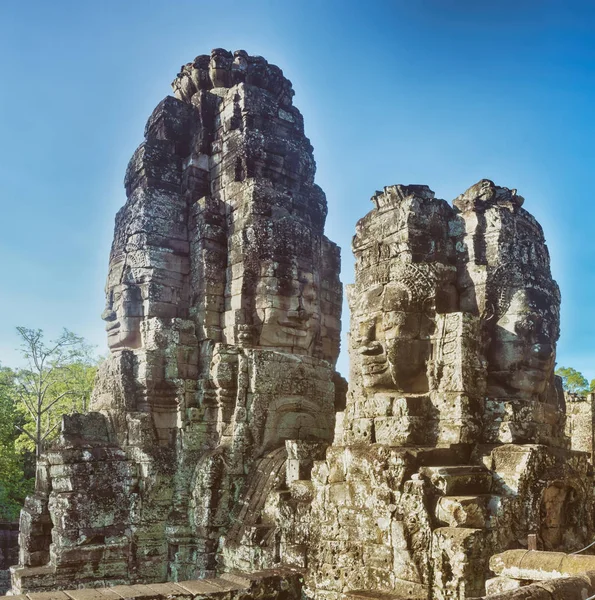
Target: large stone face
<point x="404" y="285"/>
<point x="509" y="282"/>
<point x="402" y="279"/>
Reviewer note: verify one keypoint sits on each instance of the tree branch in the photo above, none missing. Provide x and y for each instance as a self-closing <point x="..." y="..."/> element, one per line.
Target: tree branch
<point x="50" y="431"/>
<point x="30" y="436"/>
<point x="42" y="412"/>
<point x="26" y="403"/>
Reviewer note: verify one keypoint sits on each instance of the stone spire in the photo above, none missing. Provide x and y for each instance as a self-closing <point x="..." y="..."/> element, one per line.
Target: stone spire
<point x="223" y="307"/>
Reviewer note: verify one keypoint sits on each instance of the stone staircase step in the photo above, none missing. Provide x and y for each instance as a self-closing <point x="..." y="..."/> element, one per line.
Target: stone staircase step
<point x="459" y="480"/>
<point x="134" y="591"/>
<point x="93" y="594"/>
<point x="52" y="595"/>
<point x="440" y="456"/>
<point x="267" y="584"/>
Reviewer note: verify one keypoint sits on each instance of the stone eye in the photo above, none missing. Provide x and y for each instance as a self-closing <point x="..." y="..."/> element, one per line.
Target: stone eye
<point x="309" y="293"/>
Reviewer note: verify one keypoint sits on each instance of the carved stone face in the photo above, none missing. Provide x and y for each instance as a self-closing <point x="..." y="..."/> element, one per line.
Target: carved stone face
<point x="123" y="314"/>
<point x="289" y="311"/>
<point x="394" y="339"/>
<point x="521" y="355"/>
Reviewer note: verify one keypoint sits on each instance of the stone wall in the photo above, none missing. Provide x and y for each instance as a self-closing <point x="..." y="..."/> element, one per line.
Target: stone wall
<point x="9" y="552"/>
<point x="580" y="422"/>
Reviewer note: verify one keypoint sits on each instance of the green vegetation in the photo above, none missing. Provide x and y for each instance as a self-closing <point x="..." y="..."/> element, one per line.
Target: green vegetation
<point x="56" y="378"/>
<point x="13" y="484"/>
<point x="575" y="382"/>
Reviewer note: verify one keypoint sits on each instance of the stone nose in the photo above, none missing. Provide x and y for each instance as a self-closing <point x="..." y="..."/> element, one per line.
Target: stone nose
<point x="542" y="351"/>
<point x="371" y="349"/>
<point x="108" y="314"/>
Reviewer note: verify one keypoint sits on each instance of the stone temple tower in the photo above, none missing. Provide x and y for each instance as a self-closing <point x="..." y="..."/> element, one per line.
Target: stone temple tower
<point x="223" y="308"/>
<point x="219" y="438"/>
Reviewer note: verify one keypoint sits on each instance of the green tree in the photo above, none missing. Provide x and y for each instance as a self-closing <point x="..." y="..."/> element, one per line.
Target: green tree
<point x="13" y="484"/>
<point x="573" y="381"/>
<point x="58" y="379"/>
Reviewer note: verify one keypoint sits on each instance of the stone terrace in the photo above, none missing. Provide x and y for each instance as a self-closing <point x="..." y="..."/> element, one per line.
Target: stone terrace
<point x="282" y="584"/>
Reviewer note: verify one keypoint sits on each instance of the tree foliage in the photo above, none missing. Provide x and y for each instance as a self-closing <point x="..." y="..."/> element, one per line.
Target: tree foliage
<point x="57" y="379"/>
<point x="575" y="382"/>
<point x="14" y="486"/>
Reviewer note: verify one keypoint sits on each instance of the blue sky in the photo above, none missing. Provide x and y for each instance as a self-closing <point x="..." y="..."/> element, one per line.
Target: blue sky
<point x="440" y="92"/>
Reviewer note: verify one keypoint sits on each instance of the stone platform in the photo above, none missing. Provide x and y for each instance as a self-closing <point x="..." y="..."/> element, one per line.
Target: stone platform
<point x="282" y="584"/>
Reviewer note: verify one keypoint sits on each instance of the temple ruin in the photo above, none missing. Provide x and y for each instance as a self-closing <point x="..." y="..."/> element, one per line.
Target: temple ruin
<point x="221" y="438"/>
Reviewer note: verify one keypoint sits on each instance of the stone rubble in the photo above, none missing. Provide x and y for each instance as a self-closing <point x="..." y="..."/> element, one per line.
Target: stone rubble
<point x="222" y="439"/>
<point x="568" y="588"/>
<point x="565" y="576"/>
